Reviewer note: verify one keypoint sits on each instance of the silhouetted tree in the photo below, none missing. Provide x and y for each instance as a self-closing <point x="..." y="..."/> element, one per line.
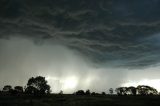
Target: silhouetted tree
<point x="61" y="92"/>
<point x="80" y="92"/>
<point x="146" y="90"/>
<point x="0" y="91"/>
<point x="93" y="93"/>
<point x="19" y="89"/>
<point x="111" y="91"/>
<point x="31" y="90"/>
<point x="103" y="93"/>
<point x="7" y="88"/>
<point x="121" y="91"/>
<point x="88" y="92"/>
<point x="37" y="85"/>
<point x="132" y="90"/>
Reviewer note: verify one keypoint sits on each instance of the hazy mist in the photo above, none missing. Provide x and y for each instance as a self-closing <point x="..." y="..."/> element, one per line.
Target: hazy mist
<point x="21" y="58"/>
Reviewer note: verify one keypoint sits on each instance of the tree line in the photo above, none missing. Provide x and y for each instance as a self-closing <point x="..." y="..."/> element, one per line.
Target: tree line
<point x="124" y="91"/>
<point x="35" y="85"/>
<point x="39" y="85"/>
<point x="139" y="90"/>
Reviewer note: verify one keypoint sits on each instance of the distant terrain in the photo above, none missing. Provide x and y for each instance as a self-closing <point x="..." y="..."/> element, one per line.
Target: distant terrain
<point x="37" y="93"/>
<point x="79" y="100"/>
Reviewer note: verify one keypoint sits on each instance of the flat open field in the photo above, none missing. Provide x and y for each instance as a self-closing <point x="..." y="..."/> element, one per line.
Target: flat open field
<point x="79" y="100"/>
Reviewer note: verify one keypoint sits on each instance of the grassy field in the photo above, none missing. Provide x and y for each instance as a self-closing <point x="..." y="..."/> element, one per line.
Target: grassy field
<point x="79" y="100"/>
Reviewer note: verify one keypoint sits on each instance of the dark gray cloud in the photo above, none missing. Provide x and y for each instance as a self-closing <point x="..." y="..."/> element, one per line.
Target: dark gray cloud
<point x="119" y="33"/>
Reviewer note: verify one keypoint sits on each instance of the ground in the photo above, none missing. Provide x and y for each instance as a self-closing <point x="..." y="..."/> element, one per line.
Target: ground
<point x="79" y="100"/>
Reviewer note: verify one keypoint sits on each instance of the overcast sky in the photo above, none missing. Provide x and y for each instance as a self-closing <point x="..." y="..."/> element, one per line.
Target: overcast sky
<point x="80" y="44"/>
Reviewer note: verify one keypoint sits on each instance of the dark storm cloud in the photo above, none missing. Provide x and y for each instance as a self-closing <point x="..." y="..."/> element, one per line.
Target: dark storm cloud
<point x="117" y="33"/>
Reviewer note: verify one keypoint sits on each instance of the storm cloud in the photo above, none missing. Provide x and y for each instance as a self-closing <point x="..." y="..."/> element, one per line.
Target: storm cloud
<point x="98" y="35"/>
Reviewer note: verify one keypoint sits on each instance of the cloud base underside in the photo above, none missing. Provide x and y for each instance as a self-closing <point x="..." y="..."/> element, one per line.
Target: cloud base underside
<point x="120" y="33"/>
